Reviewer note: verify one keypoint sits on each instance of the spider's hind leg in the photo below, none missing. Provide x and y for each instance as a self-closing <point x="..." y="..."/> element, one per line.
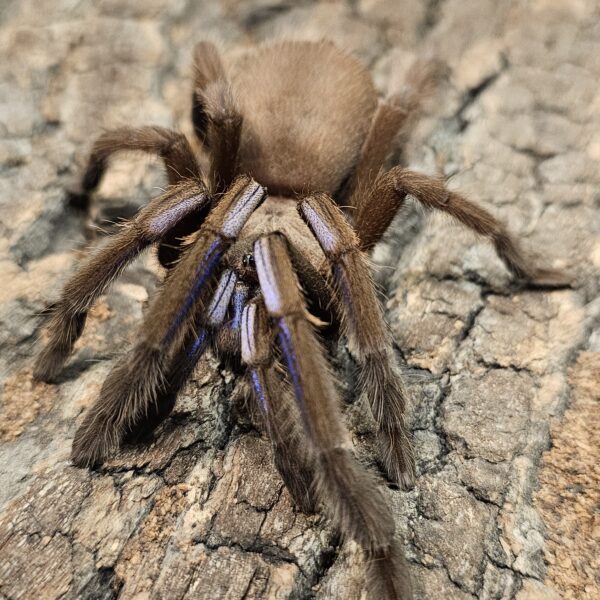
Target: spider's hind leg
<point x="392" y="125"/>
<point x="208" y="68"/>
<point x="379" y="206"/>
<point x="215" y="115"/>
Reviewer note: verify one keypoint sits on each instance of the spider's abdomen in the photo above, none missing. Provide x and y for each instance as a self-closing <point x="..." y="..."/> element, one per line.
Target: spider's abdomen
<point x="306" y="110"/>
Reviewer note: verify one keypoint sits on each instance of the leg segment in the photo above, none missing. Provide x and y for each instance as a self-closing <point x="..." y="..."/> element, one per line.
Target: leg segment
<point x="217" y="121"/>
<point x="95" y="275"/>
<point x="359" y="508"/>
<point x="208" y="68"/>
<point x="224" y="132"/>
<point x="386" y="123"/>
<point x="393" y="118"/>
<point x="347" y="490"/>
<point x="290" y="454"/>
<point x="171" y="146"/>
<point x="377" y="209"/>
<point x="228" y="341"/>
<point x="134" y="383"/>
<point x="368" y="337"/>
<point x="185" y="360"/>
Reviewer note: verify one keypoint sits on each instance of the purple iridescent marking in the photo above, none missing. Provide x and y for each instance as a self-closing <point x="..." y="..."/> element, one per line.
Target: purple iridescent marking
<point x="203" y="272"/>
<point x="287" y="345"/>
<point x="220" y="301"/>
<point x="165" y="220"/>
<point x="240" y="296"/>
<point x="241" y="210"/>
<point x="259" y="390"/>
<point x="321" y="228"/>
<point x="192" y="355"/>
<point x="196" y="350"/>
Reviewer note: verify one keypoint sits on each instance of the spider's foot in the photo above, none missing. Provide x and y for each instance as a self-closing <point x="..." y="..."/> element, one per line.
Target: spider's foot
<point x="548" y="279"/>
<point x="302" y="497"/>
<point x="298" y="482"/>
<point x="406" y="480"/>
<point x="49" y="364"/>
<point x="89" y="455"/>
<point x="91" y="446"/>
<point x="402" y="477"/>
<point x="387" y="573"/>
<point x="398" y="463"/>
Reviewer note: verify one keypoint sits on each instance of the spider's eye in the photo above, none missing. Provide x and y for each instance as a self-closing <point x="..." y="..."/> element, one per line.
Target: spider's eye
<point x="248" y="261"/>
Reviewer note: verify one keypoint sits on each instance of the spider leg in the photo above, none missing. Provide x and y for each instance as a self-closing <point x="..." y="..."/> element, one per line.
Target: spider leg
<point x="208" y="68"/>
<point x="394" y="118"/>
<point x="291" y="457"/>
<point x="377" y="146"/>
<point x="171" y="146"/>
<point x="134" y="382"/>
<point x="184" y="361"/>
<point x="377" y="209"/>
<point x="347" y="490"/>
<point x="228" y="339"/>
<point x="368" y="337"/>
<point x="94" y="276"/>
<point x="215" y="115"/>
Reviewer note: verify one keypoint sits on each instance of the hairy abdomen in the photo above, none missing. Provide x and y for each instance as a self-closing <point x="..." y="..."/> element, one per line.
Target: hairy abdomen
<point x="306" y="107"/>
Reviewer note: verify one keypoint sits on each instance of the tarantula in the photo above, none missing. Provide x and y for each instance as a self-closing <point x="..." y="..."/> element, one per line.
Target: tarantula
<point x="259" y="275"/>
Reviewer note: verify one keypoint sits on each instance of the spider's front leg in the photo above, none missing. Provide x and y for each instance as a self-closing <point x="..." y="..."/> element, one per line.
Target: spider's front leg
<point x="368" y="336"/>
<point x="137" y="380"/>
<point x="94" y="276"/>
<point x="348" y="491"/>
<point x="292" y="458"/>
<point x="206" y="324"/>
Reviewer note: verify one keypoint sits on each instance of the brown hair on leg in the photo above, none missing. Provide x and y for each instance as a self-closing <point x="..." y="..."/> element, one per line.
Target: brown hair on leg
<point x="368" y="337"/>
<point x="105" y="264"/>
<point x="390" y="192"/>
<point x="349" y="492"/>
<point x="291" y="455"/>
<point x="171" y="146"/>
<point x="136" y="380"/>
<point x="392" y="124"/>
<point x="216" y="118"/>
<point x="206" y="324"/>
<point x="224" y="132"/>
<point x="208" y="68"/>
